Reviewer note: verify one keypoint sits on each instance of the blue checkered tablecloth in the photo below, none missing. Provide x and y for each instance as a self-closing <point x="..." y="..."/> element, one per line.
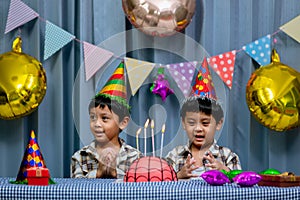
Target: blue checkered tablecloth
<point x="73" y="189"/>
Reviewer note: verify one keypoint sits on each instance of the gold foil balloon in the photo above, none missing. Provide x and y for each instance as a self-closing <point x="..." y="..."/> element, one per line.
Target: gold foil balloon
<point x="273" y="95"/>
<point x="159" y="17"/>
<point x="22" y="83"/>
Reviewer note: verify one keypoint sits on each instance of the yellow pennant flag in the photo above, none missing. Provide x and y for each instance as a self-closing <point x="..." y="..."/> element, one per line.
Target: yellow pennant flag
<point x="292" y="28"/>
<point x="137" y="71"/>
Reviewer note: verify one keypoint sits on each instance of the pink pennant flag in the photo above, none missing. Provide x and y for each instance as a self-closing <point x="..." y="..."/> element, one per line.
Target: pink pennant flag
<point x="223" y="65"/>
<point x="18" y="14"/>
<point x="183" y="74"/>
<point x="94" y="58"/>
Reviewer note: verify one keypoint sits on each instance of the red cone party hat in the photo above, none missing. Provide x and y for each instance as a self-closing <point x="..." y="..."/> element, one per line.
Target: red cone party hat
<point x="203" y="83"/>
<point x="32" y="158"/>
<point x="115" y="88"/>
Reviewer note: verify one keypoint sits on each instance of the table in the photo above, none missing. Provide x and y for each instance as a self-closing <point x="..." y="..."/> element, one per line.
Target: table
<point x="79" y="189"/>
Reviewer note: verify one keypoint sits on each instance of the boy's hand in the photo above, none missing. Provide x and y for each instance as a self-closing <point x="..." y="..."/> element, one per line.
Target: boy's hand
<point x="107" y="164"/>
<point x="214" y="163"/>
<point x="187" y="169"/>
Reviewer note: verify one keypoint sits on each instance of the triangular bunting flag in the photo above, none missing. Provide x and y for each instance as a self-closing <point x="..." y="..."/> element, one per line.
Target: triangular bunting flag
<point x="292" y="28"/>
<point x="137" y="71"/>
<point x="94" y="59"/>
<point x="260" y="50"/>
<point x="18" y="14"/>
<point x="55" y="39"/>
<point x="183" y="74"/>
<point x="223" y="65"/>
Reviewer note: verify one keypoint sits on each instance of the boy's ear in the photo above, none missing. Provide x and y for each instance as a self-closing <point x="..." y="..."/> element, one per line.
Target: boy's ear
<point x="220" y="124"/>
<point x="123" y="124"/>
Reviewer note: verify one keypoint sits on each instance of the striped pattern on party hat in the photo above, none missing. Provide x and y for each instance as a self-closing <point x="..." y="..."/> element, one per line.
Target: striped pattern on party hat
<point x="204" y="85"/>
<point x="32" y="158"/>
<point x="115" y="88"/>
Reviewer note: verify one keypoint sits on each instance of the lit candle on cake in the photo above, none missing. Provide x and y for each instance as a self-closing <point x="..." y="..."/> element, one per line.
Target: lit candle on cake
<point x="162" y="139"/>
<point x="145" y="136"/>
<point x="137" y="138"/>
<point x="152" y="135"/>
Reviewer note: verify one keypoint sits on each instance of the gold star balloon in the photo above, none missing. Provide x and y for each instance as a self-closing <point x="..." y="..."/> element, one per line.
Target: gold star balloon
<point x="273" y="95"/>
<point x="22" y="83"/>
<point x="159" y="17"/>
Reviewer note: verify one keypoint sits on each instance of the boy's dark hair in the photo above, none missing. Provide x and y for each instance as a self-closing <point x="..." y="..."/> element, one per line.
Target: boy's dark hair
<point x="202" y="104"/>
<point x="113" y="105"/>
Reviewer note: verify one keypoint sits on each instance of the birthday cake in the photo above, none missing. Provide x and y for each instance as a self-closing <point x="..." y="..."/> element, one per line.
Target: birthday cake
<point x="150" y="169"/>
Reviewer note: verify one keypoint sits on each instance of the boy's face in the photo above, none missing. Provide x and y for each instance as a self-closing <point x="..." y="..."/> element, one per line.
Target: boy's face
<point x="200" y="128"/>
<point x="105" y="124"/>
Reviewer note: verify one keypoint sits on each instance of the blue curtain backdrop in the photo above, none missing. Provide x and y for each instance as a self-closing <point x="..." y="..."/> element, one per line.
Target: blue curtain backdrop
<point x="61" y="121"/>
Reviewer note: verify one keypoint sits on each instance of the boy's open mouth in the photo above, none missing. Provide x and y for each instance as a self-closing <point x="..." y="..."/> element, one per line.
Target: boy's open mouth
<point x="99" y="133"/>
<point x="199" y="136"/>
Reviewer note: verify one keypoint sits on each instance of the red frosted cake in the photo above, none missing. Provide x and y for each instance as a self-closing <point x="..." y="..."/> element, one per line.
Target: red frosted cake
<point x="150" y="169"/>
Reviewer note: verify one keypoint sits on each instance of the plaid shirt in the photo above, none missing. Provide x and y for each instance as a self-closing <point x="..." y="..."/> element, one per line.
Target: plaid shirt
<point x="84" y="163"/>
<point x="178" y="155"/>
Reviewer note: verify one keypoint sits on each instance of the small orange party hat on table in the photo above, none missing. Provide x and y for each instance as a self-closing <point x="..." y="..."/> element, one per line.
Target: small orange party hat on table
<point x="32" y="159"/>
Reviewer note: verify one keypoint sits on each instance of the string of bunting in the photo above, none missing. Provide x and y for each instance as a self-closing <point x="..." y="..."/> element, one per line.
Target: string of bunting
<point x="95" y="57"/>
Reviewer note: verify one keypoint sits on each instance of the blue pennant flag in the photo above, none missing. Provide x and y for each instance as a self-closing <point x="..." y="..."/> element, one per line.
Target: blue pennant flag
<point x="260" y="50"/>
<point x="55" y="39"/>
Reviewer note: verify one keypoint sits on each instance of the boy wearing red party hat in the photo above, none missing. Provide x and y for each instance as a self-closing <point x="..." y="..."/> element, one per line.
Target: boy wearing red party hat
<point x="108" y="156"/>
<point x="201" y="116"/>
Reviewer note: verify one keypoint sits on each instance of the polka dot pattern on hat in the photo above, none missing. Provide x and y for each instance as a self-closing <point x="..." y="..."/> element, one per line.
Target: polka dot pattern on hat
<point x="204" y="85"/>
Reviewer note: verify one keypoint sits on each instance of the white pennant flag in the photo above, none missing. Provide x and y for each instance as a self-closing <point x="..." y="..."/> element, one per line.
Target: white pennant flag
<point x="137" y="71"/>
<point x="292" y="28"/>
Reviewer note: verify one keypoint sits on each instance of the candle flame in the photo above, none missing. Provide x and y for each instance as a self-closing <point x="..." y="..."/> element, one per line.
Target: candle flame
<point x="152" y="123"/>
<point x="163" y="129"/>
<point x="146" y="123"/>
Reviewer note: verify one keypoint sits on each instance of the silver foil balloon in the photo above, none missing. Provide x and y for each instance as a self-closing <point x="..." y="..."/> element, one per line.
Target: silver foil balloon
<point x="159" y="17"/>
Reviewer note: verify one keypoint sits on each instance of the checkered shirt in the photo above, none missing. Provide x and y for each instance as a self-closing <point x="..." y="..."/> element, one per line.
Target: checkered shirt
<point x="84" y="163"/>
<point x="178" y="155"/>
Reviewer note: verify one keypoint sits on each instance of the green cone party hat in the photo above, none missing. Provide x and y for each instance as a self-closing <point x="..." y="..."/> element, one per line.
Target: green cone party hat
<point x="115" y="88"/>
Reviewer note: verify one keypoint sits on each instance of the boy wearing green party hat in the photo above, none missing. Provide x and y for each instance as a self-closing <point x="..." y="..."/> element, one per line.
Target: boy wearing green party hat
<point x="108" y="156"/>
<point x="201" y="116"/>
